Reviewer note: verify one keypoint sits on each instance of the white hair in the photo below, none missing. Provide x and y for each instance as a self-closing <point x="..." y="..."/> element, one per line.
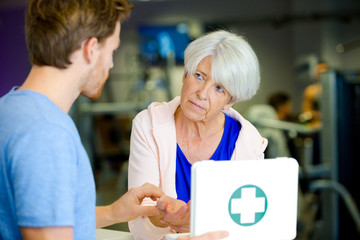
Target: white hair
<point x="234" y="63"/>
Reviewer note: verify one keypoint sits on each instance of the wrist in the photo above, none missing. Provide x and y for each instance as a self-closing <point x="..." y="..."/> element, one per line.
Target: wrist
<point x="104" y="216"/>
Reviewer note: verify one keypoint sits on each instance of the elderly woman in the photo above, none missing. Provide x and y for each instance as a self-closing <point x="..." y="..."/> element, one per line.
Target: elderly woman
<point x="167" y="138"/>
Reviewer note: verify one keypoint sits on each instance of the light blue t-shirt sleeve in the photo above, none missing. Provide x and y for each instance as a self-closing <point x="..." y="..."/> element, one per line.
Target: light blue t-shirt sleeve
<point x="44" y="175"/>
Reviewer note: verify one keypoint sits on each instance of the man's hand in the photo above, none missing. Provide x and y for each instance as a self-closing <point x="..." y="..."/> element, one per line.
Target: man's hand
<point x="128" y="207"/>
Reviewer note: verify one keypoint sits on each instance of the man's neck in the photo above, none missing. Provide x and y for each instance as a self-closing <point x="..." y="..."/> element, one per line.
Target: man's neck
<point x="59" y="85"/>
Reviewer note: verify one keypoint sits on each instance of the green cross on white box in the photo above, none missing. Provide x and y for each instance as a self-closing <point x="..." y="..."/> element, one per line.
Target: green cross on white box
<point x="248" y="205"/>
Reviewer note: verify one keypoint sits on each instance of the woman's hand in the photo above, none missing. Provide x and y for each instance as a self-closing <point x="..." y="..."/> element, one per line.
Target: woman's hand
<point x="175" y="213"/>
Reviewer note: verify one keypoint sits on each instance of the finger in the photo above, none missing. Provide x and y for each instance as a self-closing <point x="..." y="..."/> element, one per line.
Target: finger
<point x="153" y="198"/>
<point x="182" y="213"/>
<point x="163" y="203"/>
<point x="215" y="235"/>
<point x="148" y="190"/>
<point x="174" y="205"/>
<point x="182" y="210"/>
<point x="147" y="211"/>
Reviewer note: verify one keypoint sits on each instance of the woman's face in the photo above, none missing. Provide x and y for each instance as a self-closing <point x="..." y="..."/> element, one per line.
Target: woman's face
<point x="201" y="98"/>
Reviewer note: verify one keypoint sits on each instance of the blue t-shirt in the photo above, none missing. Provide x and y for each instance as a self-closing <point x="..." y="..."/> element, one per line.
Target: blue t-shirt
<point x="45" y="175"/>
<point x="223" y="152"/>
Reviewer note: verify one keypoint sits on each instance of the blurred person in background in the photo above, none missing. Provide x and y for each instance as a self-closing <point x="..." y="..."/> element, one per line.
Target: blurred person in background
<point x="311" y="97"/>
<point x="283" y="106"/>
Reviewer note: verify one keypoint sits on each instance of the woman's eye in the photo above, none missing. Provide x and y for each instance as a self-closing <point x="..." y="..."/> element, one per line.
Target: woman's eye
<point x="199" y="76"/>
<point x="219" y="89"/>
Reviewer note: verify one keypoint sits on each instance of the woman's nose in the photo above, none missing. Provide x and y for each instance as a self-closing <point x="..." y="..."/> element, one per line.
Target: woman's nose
<point x="203" y="91"/>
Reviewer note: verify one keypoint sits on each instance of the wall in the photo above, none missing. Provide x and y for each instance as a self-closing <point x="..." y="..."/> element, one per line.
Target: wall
<point x="272" y="45"/>
<point x="325" y="24"/>
<point x="14" y="64"/>
<point x="281" y="32"/>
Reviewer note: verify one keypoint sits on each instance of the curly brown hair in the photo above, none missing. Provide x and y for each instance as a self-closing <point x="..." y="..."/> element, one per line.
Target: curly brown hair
<point x="54" y="29"/>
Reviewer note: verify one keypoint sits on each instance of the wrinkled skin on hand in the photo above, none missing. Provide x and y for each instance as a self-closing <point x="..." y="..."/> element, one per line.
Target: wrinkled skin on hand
<point x="175" y="213"/>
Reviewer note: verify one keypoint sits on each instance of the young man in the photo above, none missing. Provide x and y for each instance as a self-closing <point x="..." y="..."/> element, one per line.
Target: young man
<point x="46" y="181"/>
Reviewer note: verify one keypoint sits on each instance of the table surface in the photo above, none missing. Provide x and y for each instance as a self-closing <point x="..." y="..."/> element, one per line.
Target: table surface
<point x="106" y="234"/>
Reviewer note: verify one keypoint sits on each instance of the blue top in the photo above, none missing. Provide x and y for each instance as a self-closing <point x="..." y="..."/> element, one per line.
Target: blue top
<point x="46" y="178"/>
<point x="223" y="152"/>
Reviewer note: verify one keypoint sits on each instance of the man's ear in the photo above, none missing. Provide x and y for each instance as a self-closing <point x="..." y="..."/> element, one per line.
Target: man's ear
<point x="90" y="48"/>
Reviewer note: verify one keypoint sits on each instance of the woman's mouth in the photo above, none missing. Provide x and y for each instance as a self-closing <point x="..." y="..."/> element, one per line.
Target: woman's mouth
<point x="197" y="106"/>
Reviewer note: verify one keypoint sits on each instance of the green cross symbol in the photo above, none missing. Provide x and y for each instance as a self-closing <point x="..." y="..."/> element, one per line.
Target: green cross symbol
<point x="247" y="205"/>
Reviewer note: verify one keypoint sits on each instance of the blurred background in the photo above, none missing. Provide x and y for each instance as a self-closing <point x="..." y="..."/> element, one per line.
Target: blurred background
<point x="290" y="37"/>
